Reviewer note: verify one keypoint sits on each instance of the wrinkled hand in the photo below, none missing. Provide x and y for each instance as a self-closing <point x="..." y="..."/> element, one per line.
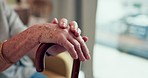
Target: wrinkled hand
<point x="52" y="33"/>
<point x="56" y="49"/>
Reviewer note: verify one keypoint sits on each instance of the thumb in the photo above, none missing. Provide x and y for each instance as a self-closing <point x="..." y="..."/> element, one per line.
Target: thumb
<point x="54" y="21"/>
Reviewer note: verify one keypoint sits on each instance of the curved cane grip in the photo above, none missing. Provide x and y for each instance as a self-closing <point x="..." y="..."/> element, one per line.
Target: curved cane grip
<point x="40" y="54"/>
<point x="40" y="61"/>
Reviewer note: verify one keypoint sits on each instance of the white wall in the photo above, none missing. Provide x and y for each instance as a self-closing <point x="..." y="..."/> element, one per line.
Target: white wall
<point x="64" y="8"/>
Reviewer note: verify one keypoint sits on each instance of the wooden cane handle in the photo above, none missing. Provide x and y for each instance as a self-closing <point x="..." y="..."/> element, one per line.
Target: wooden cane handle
<point x="40" y="55"/>
<point x="40" y="61"/>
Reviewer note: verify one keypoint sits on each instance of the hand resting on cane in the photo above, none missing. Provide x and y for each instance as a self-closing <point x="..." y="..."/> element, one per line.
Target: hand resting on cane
<point x="56" y="49"/>
<point x="44" y="33"/>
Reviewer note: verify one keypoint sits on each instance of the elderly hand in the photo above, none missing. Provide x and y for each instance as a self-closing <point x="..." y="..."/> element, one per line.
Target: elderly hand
<point x="56" y="49"/>
<point x="25" y="41"/>
<point x="52" y="33"/>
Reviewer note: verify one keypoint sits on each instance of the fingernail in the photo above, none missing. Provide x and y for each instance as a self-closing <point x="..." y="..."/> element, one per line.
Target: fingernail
<point x="65" y="21"/>
<point x="84" y="60"/>
<point x="88" y="57"/>
<point x="72" y="26"/>
<point x="56" y="20"/>
<point x="76" y="34"/>
<point x="64" y="24"/>
<point x="76" y="57"/>
<point x="75" y="24"/>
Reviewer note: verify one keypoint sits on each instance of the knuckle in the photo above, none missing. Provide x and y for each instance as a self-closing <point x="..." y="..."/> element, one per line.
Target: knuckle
<point x="75" y="23"/>
<point x="79" y="30"/>
<point x="78" y="45"/>
<point x="83" y="46"/>
<point x="63" y="19"/>
<point x="60" y="41"/>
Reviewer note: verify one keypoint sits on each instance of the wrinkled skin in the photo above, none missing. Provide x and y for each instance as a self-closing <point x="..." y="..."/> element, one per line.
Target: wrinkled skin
<point x="56" y="49"/>
<point x="75" y="33"/>
<point x="52" y="33"/>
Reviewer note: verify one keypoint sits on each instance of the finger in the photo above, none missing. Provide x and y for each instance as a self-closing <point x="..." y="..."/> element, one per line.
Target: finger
<point x="79" y="31"/>
<point x="84" y="47"/>
<point x="70" y="48"/>
<point x="77" y="47"/>
<point x="63" y="23"/>
<point x="54" y="21"/>
<point x="85" y="38"/>
<point x="55" y="49"/>
<point x="74" y="28"/>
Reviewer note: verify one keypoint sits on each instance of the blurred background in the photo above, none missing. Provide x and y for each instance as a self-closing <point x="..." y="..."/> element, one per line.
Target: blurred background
<point x="117" y="31"/>
<point x="121" y="48"/>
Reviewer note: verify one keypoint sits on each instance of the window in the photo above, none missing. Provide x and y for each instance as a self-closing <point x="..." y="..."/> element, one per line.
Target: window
<point x="123" y="24"/>
<point x="121" y="48"/>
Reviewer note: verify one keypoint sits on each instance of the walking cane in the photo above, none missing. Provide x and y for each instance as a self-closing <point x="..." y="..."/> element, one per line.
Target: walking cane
<point x="40" y="61"/>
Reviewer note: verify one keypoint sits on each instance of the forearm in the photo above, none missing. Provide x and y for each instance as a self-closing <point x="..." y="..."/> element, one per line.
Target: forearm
<point x="19" y="45"/>
<point x="32" y="52"/>
<point x="16" y="47"/>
